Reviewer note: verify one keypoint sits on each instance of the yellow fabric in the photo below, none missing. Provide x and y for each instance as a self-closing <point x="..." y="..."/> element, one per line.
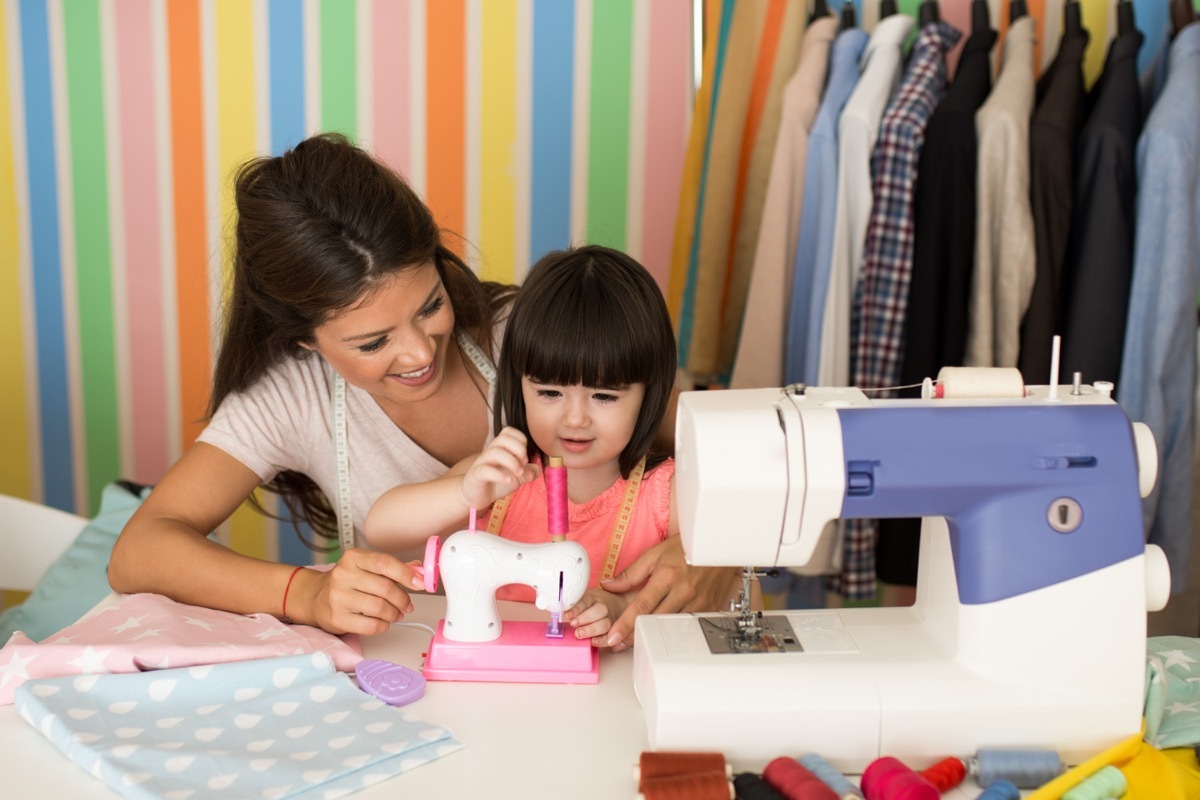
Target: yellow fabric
<point x="754" y="184"/>
<point x="693" y="166"/>
<point x="1152" y="774"/>
<point x="707" y="275"/>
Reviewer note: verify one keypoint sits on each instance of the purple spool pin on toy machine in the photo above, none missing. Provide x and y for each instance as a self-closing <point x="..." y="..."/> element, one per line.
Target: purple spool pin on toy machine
<point x="473" y="644"/>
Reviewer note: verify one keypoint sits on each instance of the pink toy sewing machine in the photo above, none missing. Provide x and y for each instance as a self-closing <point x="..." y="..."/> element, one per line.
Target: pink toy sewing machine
<point x="473" y="644"/>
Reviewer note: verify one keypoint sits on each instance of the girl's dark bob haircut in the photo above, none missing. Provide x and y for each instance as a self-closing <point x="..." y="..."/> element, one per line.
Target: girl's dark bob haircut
<point x="589" y="316"/>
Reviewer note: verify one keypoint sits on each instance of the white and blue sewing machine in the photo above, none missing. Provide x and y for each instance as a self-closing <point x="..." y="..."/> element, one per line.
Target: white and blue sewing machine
<point x="474" y="644"/>
<point x="1034" y="579"/>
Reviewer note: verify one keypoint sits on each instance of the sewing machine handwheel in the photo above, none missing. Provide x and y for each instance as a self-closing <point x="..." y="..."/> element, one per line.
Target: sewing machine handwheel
<point x="430" y="564"/>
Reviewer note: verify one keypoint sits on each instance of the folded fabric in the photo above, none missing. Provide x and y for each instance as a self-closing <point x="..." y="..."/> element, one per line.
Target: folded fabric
<point x="1172" y="691"/>
<point x="290" y="727"/>
<point x="78" y="579"/>
<point x="151" y="632"/>
<point x="1150" y="774"/>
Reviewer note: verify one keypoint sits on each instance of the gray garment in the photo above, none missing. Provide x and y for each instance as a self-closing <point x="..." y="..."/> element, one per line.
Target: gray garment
<point x="1004" y="240"/>
<point x="285" y="422"/>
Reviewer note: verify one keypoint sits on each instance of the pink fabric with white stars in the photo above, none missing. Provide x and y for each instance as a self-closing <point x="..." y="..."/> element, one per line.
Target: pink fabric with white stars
<point x="148" y="631"/>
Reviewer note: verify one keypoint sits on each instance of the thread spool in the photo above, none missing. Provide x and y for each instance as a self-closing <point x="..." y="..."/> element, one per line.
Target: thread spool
<point x="832" y="777"/>
<point x="795" y="782"/>
<point x="978" y="382"/>
<point x="888" y="778"/>
<point x="1027" y="769"/>
<point x="1001" y="790"/>
<point x="945" y="774"/>
<point x="694" y="786"/>
<point x="665" y="764"/>
<point x="1108" y="781"/>
<point x="750" y="786"/>
<point x="556" y="499"/>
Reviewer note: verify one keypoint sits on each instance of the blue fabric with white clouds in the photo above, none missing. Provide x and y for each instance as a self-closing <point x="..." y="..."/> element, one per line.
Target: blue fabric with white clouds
<point x="290" y="727"/>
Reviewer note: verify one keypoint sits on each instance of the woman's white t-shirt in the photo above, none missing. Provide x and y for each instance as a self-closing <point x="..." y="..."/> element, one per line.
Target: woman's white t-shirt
<point x="285" y="422"/>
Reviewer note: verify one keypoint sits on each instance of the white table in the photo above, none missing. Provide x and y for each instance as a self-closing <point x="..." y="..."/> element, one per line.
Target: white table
<point x="521" y="740"/>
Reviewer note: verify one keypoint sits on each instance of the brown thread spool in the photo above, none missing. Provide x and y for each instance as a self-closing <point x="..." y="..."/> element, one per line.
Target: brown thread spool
<point x="795" y="781"/>
<point x="668" y="763"/>
<point x="692" y="786"/>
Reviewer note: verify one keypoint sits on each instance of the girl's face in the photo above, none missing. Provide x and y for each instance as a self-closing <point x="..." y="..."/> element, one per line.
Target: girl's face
<point x="393" y="342"/>
<point x="588" y="427"/>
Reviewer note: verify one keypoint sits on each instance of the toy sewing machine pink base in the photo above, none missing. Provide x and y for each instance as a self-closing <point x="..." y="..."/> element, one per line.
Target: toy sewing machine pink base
<point x="481" y="647"/>
<point x="522" y="654"/>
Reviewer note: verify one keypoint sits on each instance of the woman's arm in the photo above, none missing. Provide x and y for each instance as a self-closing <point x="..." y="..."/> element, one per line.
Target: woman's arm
<point x="670" y="583"/>
<point x="165" y="549"/>
<point x="405" y="516"/>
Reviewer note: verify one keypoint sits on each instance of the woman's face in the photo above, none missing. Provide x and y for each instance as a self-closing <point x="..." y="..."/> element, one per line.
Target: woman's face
<point x="393" y="342"/>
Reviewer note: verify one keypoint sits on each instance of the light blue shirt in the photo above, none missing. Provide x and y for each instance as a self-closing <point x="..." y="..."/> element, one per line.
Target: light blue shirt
<point x="1158" y="368"/>
<point x="814" y="245"/>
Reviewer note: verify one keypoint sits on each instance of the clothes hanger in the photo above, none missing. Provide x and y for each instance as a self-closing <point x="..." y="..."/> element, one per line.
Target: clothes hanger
<point x="887" y="8"/>
<point x="820" y="9"/>
<point x="1124" y="17"/>
<point x="929" y="12"/>
<point x="1183" y="13"/>
<point x="1072" y="19"/>
<point x="981" y="19"/>
<point x="1016" y="10"/>
<point x="849" y="17"/>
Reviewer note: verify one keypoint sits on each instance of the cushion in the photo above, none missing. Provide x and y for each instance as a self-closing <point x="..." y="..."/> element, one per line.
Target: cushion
<point x="78" y="580"/>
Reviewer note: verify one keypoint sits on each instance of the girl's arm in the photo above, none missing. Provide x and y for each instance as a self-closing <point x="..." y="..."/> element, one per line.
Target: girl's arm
<point x="405" y="516"/>
<point x="165" y="549"/>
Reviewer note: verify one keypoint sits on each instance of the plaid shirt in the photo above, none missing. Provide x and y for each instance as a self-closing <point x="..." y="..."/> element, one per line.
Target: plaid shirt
<point x="877" y="321"/>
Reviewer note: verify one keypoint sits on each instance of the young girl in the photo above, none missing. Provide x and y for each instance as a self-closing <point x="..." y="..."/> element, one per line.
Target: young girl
<point x="586" y="370"/>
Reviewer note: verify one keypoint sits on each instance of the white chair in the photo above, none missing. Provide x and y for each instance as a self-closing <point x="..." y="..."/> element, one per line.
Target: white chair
<point x="32" y="537"/>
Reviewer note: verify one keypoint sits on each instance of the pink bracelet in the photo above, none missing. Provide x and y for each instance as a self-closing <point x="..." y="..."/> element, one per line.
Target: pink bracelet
<point x="284" y="616"/>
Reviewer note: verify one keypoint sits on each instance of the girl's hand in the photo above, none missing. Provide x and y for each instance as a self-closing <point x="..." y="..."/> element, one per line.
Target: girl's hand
<point x="364" y="593"/>
<point x="594" y="614"/>
<point x="498" y="470"/>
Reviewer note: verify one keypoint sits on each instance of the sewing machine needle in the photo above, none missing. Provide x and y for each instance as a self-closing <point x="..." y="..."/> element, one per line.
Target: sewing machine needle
<point x="554" y="628"/>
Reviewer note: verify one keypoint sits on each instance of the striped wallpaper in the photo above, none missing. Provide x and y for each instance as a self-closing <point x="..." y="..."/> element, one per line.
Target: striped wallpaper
<point x="526" y="124"/>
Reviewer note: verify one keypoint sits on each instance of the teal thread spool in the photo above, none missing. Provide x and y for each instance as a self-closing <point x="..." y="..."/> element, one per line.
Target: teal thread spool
<point x="1108" y="781"/>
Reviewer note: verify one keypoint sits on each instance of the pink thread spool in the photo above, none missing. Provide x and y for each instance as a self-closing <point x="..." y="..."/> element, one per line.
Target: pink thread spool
<point x="888" y="778"/>
<point x="556" y="499"/>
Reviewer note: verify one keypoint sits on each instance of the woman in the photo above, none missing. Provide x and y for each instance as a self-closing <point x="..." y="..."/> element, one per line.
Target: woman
<point x="357" y="355"/>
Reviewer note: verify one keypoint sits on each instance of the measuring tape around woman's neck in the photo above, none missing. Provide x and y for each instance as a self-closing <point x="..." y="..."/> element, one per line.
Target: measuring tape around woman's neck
<point x="345" y="517"/>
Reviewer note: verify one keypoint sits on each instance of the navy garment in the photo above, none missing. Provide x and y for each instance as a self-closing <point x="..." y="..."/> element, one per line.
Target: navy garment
<point x="944" y="220"/>
<point x="1053" y="132"/>
<point x="1099" y="265"/>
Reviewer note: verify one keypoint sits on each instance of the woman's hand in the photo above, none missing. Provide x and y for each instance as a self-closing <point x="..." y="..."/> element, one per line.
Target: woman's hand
<point x="593" y="615"/>
<point x="364" y="593"/>
<point x="498" y="470"/>
<point x="665" y="584"/>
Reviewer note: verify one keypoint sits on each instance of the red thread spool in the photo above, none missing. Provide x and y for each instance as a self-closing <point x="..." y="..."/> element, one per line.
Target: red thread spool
<point x="694" y="786"/>
<point x="795" y="782"/>
<point x="556" y="499"/>
<point x="945" y="774"/>
<point x="888" y="778"/>
<point x="653" y="765"/>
